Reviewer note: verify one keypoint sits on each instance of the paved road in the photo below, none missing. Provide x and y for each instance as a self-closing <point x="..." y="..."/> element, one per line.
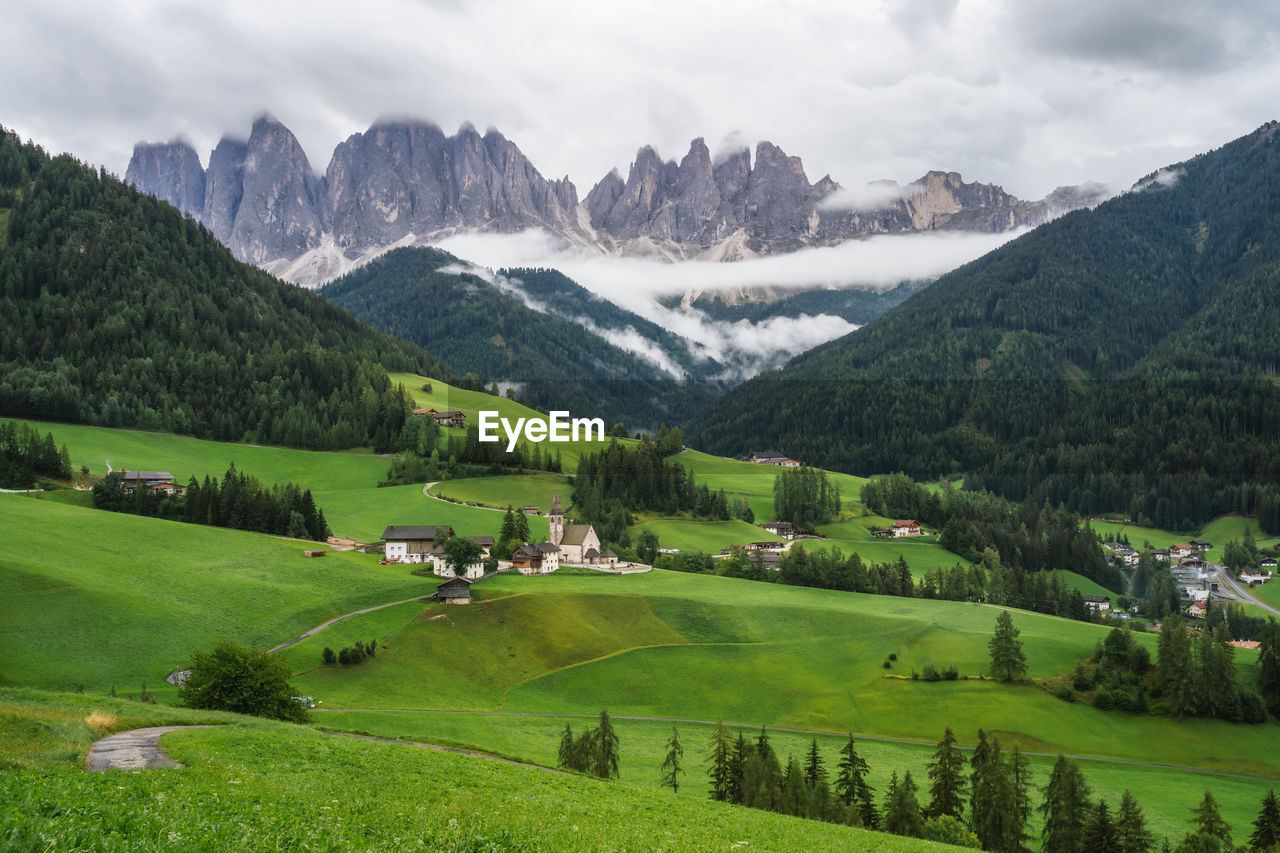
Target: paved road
<point x="138" y="749"/>
<point x="1095" y="758"/>
<point x="338" y="619"/>
<point x="1225" y="578"/>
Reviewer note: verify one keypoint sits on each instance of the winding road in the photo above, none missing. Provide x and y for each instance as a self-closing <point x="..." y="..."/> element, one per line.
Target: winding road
<point x="1241" y="594"/>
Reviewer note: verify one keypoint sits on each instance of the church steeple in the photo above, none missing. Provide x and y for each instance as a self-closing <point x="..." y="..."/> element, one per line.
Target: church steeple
<point x="556" y="519"/>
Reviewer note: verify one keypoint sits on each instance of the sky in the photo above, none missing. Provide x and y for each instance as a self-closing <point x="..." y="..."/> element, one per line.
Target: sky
<point x="1029" y="94"/>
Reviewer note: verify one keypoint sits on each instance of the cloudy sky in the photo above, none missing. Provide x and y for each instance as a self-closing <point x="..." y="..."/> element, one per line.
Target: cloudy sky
<point x="1030" y="94"/>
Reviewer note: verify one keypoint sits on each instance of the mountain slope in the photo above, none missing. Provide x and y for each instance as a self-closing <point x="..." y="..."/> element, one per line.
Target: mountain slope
<point x="1116" y="359"/>
<point x="404" y="182"/>
<point x="527" y="327"/>
<point x="116" y="310"/>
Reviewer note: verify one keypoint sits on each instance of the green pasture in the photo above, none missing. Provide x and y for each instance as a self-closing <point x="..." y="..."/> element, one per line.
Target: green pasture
<point x="693" y="646"/>
<point x="1073" y="580"/>
<point x="185" y="457"/>
<point x="921" y="556"/>
<point x="1220" y="531"/>
<point x="1165" y="794"/>
<point x="99" y="598"/>
<point x="265" y="785"/>
<point x="755" y="482"/>
<point x="694" y="535"/>
<point x="364" y="513"/>
<point x="515" y="491"/>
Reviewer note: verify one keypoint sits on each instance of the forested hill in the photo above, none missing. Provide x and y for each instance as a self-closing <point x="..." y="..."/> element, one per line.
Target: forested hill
<point x="517" y="327"/>
<point x="117" y="310"/>
<point x="1120" y="359"/>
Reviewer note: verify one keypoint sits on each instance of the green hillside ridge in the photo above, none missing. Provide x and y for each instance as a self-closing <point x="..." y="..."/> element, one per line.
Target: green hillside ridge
<point x="261" y="784"/>
<point x="486" y="326"/>
<point x="1115" y="360"/>
<point x="116" y="310"/>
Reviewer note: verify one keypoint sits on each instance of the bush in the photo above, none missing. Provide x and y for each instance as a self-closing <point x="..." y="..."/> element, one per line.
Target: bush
<point x="329" y="657"/>
<point x="893" y="655"/>
<point x="888" y="664"/>
<point x="951" y="673"/>
<point x="236" y="678"/>
<point x="931" y="673"/>
<point x="1065" y="693"/>
<point x="1081" y="681"/>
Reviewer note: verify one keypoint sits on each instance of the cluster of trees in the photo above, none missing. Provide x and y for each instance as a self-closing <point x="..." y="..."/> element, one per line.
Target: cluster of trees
<point x="116" y="310"/>
<point x="513" y="532"/>
<point x="617" y="481"/>
<point x="987" y="580"/>
<point x="240" y="501"/>
<point x="595" y="751"/>
<point x="1027" y="536"/>
<point x="1194" y="674"/>
<point x="805" y="497"/>
<point x="237" y="678"/>
<point x="24" y="455"/>
<point x="348" y="655"/>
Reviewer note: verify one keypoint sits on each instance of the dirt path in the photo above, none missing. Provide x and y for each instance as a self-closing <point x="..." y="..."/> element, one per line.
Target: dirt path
<point x="138" y="749"/>
<point x="426" y="490"/>
<point x="338" y="619"/>
<point x="1183" y="768"/>
<point x="452" y="749"/>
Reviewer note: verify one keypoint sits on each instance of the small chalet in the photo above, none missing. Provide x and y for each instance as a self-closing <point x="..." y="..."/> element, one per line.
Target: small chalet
<point x="1179" y="552"/>
<point x="1097" y="603"/>
<point x="454" y="591"/>
<point x="1197" y="609"/>
<point x="1201" y="545"/>
<point x="474" y="571"/>
<point x="883" y="533"/>
<point x="532" y="510"/>
<point x="1254" y="577"/>
<point x="773" y="459"/>
<point x="1160" y="555"/>
<point x="906" y="527"/>
<point x="449" y="419"/>
<point x="536" y="559"/>
<point x="781" y="529"/>
<point x="156" y="481"/>
<point x="412" y="543"/>
<point x="1267" y="563"/>
<point x="763" y="546"/>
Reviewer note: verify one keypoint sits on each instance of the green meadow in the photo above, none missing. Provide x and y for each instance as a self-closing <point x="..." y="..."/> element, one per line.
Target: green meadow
<point x="98" y="598"/>
<point x="1165" y="794"/>
<point x="255" y="784"/>
<point x="708" y="537"/>
<point x="755" y="482"/>
<point x="534" y="489"/>
<point x="691" y="646"/>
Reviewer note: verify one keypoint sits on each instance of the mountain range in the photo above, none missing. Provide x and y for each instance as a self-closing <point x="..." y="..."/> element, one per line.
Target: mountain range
<point x="406" y="182"/>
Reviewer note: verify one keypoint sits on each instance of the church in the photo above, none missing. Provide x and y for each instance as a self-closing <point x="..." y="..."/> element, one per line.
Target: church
<point x="576" y="541"/>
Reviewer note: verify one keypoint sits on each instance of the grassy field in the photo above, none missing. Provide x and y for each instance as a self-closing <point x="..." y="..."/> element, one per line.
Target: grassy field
<point x="261" y="785"/>
<point x="1165" y="794"/>
<point x="515" y="491"/>
<point x="100" y="598"/>
<point x="921" y="556"/>
<point x="755" y="482"/>
<point x="706" y="536"/>
<point x="364" y="513"/>
<point x="694" y="646"/>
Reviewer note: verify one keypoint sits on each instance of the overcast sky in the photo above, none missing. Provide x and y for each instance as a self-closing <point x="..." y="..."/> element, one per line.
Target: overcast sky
<point x="1024" y="93"/>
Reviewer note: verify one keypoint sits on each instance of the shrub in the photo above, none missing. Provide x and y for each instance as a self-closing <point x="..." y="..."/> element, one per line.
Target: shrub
<point x="1081" y="681"/>
<point x="1065" y="693"/>
<point x="931" y="673"/>
<point x="888" y="664"/>
<point x="329" y="657"/>
<point x="236" y="678"/>
<point x="893" y="655"/>
<point x="951" y="673"/>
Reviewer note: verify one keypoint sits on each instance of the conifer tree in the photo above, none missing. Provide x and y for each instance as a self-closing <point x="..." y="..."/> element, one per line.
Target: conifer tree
<point x="1174" y="670"/>
<point x="902" y="809"/>
<point x="815" y="770"/>
<point x="721" y="748"/>
<point x="851" y="785"/>
<point x="1266" y="829"/>
<point x="1269" y="664"/>
<point x="1065" y="808"/>
<point x="671" y="770"/>
<point x="604" y="759"/>
<point x="1208" y="819"/>
<point x="737" y="764"/>
<point x="1132" y="835"/>
<point x="946" y="775"/>
<point x="565" y="756"/>
<point x="1100" y="829"/>
<point x="1008" y="661"/>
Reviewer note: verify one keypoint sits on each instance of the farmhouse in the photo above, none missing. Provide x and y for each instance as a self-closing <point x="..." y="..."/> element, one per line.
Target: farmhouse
<point x="449" y="419"/>
<point x="1254" y="577"/>
<point x="1267" y="563"/>
<point x="440" y="564"/>
<point x="537" y="559"/>
<point x="532" y="510"/>
<point x="454" y="591"/>
<point x="1097" y="603"/>
<point x="1160" y="555"/>
<point x="1201" y="545"/>
<point x="157" y="481"/>
<point x="773" y="459"/>
<point x="780" y="528"/>
<point x="906" y="527"/>
<point x="1180" y="551"/>
<point x="413" y="544"/>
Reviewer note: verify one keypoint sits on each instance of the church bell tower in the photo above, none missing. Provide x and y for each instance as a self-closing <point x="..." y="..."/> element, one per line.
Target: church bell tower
<point x="556" y="518"/>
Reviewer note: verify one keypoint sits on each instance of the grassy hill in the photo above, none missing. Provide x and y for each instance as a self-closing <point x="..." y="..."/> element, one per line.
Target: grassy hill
<point x="263" y="785"/>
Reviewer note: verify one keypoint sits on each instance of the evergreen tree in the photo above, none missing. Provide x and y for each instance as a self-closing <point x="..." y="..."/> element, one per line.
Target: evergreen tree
<point x="946" y="774"/>
<point x="815" y="770"/>
<point x="851" y="785"/>
<point x="721" y="750"/>
<point x="1208" y="819"/>
<point x="1175" y="674"/>
<point x="1131" y="827"/>
<point x="565" y="756"/>
<point x="1007" y="658"/>
<point x="1266" y="829"/>
<point x="1100" y="830"/>
<point x="1065" y="808"/>
<point x="1269" y="665"/>
<point x="901" y="809"/>
<point x="604" y="759"/>
<point x="671" y="770"/>
<point x="737" y="766"/>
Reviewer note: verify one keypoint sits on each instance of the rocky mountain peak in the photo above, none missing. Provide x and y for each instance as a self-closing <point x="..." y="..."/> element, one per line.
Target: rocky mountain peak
<point x="170" y="171"/>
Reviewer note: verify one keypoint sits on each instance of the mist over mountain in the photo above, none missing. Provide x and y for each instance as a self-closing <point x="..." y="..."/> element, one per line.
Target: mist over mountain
<point x="405" y="182"/>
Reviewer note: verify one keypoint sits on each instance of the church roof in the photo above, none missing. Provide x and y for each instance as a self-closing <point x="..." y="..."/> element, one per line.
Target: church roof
<point x="576" y="534"/>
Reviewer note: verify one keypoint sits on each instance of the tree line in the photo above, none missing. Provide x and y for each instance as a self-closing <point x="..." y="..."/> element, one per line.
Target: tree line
<point x="240" y="501"/>
<point x="25" y="455"/>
